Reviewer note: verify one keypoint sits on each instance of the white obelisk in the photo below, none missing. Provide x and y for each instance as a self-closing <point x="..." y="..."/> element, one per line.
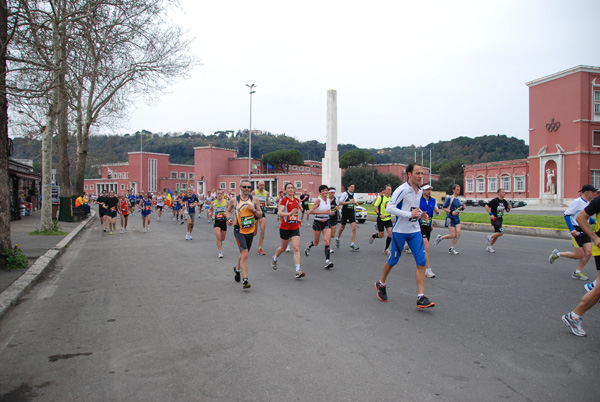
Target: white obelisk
<point x="332" y="174"/>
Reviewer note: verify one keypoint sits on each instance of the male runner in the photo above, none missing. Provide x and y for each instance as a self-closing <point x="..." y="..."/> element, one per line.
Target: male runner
<point x="217" y="210"/>
<point x="160" y="204"/>
<point x="124" y="211"/>
<point x="145" y="206"/>
<point x="322" y="211"/>
<point x="573" y="319"/>
<point x="335" y="214"/>
<point x="111" y="204"/>
<point x="452" y="207"/>
<point x="496" y="208"/>
<point x="582" y="243"/>
<point x="132" y="201"/>
<point x="348" y="203"/>
<point x="384" y="219"/>
<point x="191" y="202"/>
<point x="289" y="228"/>
<point x="304" y="200"/>
<point x="263" y="199"/>
<point x="429" y="206"/>
<point x="404" y="204"/>
<point x="102" y="209"/>
<point x="247" y="209"/>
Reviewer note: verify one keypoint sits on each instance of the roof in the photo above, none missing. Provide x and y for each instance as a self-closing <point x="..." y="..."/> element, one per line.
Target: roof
<point x="564" y="73"/>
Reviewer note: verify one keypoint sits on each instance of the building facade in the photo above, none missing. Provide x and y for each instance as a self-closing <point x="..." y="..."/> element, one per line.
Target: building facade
<point x="564" y="143"/>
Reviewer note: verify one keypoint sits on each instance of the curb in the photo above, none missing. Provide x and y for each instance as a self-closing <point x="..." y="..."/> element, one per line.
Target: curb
<point x="11" y="295"/>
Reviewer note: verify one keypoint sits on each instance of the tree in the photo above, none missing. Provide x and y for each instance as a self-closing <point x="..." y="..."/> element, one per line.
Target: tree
<point x="383" y="179"/>
<point x="355" y="158"/>
<point x="363" y="177"/>
<point x="4" y="188"/>
<point x="283" y="158"/>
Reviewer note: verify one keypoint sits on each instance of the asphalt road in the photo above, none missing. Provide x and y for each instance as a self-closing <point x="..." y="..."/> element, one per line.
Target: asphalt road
<point x="152" y="317"/>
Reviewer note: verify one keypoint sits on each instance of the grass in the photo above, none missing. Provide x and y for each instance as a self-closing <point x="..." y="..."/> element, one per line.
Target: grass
<point x="47" y="233"/>
<point x="533" y="221"/>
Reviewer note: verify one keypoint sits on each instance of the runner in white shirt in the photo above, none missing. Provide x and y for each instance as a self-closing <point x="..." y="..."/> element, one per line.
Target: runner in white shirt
<point x="405" y="204"/>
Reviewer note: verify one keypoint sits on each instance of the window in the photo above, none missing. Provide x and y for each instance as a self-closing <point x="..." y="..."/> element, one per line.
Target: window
<point x="184" y="186"/>
<point x="122" y="187"/>
<point x="232" y="185"/>
<point x="481" y="184"/>
<point x="302" y="168"/>
<point x="519" y="184"/>
<point x="222" y="185"/>
<point x="294" y="167"/>
<point x="505" y="183"/>
<point x="173" y="175"/>
<point x="298" y="184"/>
<point x="307" y="169"/>
<point x="470" y="186"/>
<point x="127" y="175"/>
<point x="596" y="105"/>
<point x="182" y="175"/>
<point x="91" y="186"/>
<point x="596" y="178"/>
<point x="152" y="174"/>
<point x="190" y="175"/>
<point x="596" y="138"/>
<point x="492" y="184"/>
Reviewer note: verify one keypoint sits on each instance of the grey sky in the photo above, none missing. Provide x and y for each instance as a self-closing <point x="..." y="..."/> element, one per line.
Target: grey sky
<point x="406" y="73"/>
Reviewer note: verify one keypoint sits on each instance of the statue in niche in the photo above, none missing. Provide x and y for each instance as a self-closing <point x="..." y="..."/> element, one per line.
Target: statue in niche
<point x="550" y="186"/>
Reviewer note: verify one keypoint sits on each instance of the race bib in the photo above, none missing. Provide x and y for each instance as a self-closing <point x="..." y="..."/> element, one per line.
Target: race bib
<point x="220" y="215"/>
<point x="247" y="222"/>
<point x="293" y="218"/>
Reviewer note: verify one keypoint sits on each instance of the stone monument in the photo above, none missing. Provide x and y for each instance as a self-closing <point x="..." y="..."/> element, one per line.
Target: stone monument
<point x="332" y="174"/>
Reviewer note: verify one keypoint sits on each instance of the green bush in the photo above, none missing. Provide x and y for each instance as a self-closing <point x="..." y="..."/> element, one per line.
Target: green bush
<point x="15" y="259"/>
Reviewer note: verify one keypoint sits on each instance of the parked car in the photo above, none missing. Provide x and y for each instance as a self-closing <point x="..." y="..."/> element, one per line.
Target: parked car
<point x="272" y="208"/>
<point x="517" y="204"/>
<point x="360" y="214"/>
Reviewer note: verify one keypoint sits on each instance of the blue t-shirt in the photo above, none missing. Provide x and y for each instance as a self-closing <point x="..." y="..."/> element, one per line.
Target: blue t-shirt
<point x="429" y="207"/>
<point x="189" y="200"/>
<point x="452" y="206"/>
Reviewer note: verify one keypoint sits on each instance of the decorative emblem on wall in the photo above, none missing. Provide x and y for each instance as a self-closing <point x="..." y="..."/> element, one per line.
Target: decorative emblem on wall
<point x="553" y="126"/>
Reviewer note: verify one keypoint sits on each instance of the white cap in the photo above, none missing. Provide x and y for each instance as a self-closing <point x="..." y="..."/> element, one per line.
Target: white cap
<point x="426" y="187"/>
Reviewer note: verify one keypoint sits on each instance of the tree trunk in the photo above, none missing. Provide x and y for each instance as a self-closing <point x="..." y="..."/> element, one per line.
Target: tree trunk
<point x="4" y="186"/>
<point x="62" y="138"/>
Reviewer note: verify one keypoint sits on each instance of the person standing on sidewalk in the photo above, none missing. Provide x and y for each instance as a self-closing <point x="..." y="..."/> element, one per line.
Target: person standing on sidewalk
<point x="289" y="228"/>
<point x="452" y="206"/>
<point x="384" y="219"/>
<point x="263" y="198"/>
<point x="428" y="205"/>
<point x="348" y="203"/>
<point x="496" y="208"/>
<point x="322" y="210"/>
<point x="582" y="244"/>
<point x="246" y="209"/>
<point x="405" y="204"/>
<point x="591" y="298"/>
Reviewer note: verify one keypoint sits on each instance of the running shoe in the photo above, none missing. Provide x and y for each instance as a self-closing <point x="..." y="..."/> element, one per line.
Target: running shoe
<point x="574" y="324"/>
<point x="424" y="302"/>
<point x="148" y="227"/>
<point x="288" y="249"/>
<point x="488" y="239"/>
<point x="381" y="292"/>
<point x="246" y="284"/>
<point x="122" y="230"/>
<point x="260" y="252"/>
<point x="580" y="276"/>
<point x="589" y="286"/>
<point x="328" y="264"/>
<point x="187" y="236"/>
<point x="104" y="230"/>
<point x="490" y="249"/>
<point x="220" y="254"/>
<point x="273" y="263"/>
<point x="300" y="274"/>
<point x="331" y="251"/>
<point x="429" y="273"/>
<point x="451" y="250"/>
<point x="158" y="219"/>
<point x="438" y="239"/>
<point x="371" y="238"/>
<point x="182" y="222"/>
<point x="387" y="251"/>
<point x="337" y="243"/>
<point x="553" y="256"/>
<point x="407" y="249"/>
<point x="111" y="232"/>
<point x="237" y="276"/>
<point x="354" y="247"/>
<point x="307" y="250"/>
<point x="144" y="230"/>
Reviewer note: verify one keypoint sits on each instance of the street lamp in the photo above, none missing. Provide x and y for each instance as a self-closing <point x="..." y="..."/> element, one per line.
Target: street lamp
<point x="250" y="133"/>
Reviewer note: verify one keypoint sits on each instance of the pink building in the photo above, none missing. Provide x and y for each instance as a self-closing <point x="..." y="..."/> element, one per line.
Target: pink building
<point x="564" y="142"/>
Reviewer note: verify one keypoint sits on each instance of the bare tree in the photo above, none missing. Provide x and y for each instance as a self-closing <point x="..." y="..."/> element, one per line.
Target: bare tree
<point x="4" y="189"/>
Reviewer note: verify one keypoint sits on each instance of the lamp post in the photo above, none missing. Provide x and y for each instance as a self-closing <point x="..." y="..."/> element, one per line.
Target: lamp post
<point x="250" y="134"/>
<point x="141" y="160"/>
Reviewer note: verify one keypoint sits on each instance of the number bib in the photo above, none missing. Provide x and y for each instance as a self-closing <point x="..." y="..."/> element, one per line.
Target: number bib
<point x="293" y="218"/>
<point x="246" y="222"/>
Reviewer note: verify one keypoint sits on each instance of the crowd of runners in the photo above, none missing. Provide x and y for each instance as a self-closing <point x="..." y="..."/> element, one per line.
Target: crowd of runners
<point x="410" y="231"/>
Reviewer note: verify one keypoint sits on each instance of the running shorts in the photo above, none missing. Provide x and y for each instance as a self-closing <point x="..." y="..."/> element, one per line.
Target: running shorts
<point x="221" y="224"/>
<point x="497" y="224"/>
<point x="192" y="216"/>
<point x="382" y="225"/>
<point x="244" y="241"/>
<point x="285" y="234"/>
<point x="319" y="226"/>
<point x="348" y="217"/>
<point x="415" y="243"/>
<point x="426" y="231"/>
<point x="146" y="212"/>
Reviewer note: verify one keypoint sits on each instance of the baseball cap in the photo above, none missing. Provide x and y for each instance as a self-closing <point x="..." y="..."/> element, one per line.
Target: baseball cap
<point x="587" y="187"/>
<point x="427" y="187"/>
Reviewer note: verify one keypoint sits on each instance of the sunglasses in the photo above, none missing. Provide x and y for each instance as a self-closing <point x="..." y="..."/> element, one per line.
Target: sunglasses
<point x="246" y="186"/>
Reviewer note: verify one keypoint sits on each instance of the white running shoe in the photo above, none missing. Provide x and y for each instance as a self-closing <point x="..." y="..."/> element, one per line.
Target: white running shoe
<point x="187" y="236"/>
<point x="488" y="240"/>
<point x="451" y="250"/>
<point x="371" y="239"/>
<point x="144" y="230"/>
<point x="429" y="273"/>
<point x="490" y="249"/>
<point x="220" y="254"/>
<point x="438" y="239"/>
<point x="288" y="249"/>
<point x="328" y="264"/>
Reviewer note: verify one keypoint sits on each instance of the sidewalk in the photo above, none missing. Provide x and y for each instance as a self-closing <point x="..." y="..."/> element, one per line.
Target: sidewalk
<point x="41" y="252"/>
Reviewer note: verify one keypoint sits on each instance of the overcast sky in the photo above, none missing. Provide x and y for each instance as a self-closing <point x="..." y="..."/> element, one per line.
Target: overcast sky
<point x="405" y="72"/>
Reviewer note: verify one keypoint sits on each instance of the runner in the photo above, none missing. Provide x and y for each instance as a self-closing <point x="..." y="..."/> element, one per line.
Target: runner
<point x="591" y="298"/>
<point x="111" y="203"/>
<point x="496" y="208"/>
<point x="217" y="209"/>
<point x="452" y="207"/>
<point x="160" y="203"/>
<point x="190" y="202"/>
<point x="263" y="199"/>
<point x="334" y="216"/>
<point x="428" y="205"/>
<point x="404" y="204"/>
<point x="145" y="206"/>
<point x="124" y="211"/>
<point x="247" y="209"/>
<point x="384" y="219"/>
<point x="210" y="197"/>
<point x="304" y="200"/>
<point x="348" y="203"/>
<point x="132" y="201"/>
<point x="582" y="244"/>
<point x="322" y="210"/>
<point x="289" y="229"/>
<point x="102" y="209"/>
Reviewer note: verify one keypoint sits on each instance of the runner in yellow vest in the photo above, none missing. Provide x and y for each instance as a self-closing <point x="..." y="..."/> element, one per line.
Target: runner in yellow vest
<point x="384" y="219"/>
<point x="263" y="198"/>
<point x="217" y="210"/>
